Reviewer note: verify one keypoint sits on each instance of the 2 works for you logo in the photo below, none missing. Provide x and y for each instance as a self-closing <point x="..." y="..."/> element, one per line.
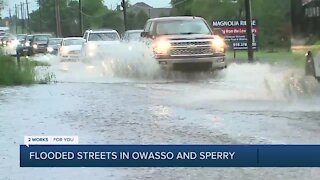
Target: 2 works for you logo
<point x="51" y="140"/>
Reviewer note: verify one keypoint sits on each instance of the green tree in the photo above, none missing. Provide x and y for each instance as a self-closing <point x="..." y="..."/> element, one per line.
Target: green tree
<point x="274" y="20"/>
<point x="182" y="7"/>
<point x="141" y="19"/>
<point x="93" y="16"/>
<point x="93" y="12"/>
<point x="113" y="20"/>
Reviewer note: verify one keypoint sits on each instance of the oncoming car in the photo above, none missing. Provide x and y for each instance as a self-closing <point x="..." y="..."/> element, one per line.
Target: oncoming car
<point x="184" y="43"/>
<point x="39" y="43"/>
<point x="97" y="41"/>
<point x="12" y="44"/>
<point x="132" y="35"/>
<point x="24" y="48"/>
<point x="70" y="49"/>
<point x="54" y="45"/>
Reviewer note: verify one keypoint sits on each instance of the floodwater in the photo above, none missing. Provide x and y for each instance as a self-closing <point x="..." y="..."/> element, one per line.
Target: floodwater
<point x="124" y="98"/>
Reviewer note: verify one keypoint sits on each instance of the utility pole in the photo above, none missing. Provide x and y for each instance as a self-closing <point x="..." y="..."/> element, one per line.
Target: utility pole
<point x="40" y="14"/>
<point x="249" y="29"/>
<point x="58" y="20"/>
<point x="80" y="18"/>
<point x="124" y="6"/>
<point x="28" y="16"/>
<point x="17" y="18"/>
<point x="22" y="17"/>
<point x="10" y="16"/>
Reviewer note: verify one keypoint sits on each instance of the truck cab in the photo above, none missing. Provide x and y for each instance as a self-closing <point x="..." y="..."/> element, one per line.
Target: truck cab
<point x="184" y="41"/>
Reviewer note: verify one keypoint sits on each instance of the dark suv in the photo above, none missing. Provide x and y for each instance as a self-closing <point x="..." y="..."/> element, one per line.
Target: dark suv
<point x="39" y="43"/>
<point x="184" y="42"/>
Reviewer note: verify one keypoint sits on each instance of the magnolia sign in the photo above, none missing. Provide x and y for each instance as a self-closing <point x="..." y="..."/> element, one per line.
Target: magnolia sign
<point x="232" y="23"/>
<point x="235" y="32"/>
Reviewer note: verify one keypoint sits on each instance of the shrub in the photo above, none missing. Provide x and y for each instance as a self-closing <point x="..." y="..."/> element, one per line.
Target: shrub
<point x="12" y="73"/>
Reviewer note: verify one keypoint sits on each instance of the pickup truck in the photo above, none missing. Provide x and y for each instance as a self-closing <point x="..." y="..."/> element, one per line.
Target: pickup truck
<point x="184" y="42"/>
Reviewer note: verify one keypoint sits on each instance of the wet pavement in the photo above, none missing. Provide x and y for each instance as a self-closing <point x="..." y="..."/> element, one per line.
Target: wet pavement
<point x="245" y="104"/>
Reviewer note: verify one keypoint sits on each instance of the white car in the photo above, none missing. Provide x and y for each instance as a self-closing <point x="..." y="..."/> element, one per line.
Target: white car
<point x="98" y="41"/>
<point x="12" y="43"/>
<point x="70" y="49"/>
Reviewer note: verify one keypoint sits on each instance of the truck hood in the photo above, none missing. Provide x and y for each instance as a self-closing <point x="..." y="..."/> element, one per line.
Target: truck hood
<point x="188" y="37"/>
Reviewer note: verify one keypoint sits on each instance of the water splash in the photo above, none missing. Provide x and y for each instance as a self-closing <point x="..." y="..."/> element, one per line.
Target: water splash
<point x="265" y="81"/>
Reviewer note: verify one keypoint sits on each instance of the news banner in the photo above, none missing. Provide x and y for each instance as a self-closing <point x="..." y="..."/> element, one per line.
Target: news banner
<point x="65" y="151"/>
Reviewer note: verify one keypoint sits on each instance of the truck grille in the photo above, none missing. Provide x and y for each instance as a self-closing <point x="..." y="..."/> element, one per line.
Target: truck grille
<point x="191" y="52"/>
<point x="190" y="43"/>
<point x="191" y="48"/>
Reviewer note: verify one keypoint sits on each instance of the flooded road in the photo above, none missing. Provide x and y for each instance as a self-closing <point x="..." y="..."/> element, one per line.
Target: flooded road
<point x="244" y="104"/>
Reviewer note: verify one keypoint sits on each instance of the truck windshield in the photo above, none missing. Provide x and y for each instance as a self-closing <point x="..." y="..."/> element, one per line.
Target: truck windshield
<point x="103" y="37"/>
<point x="182" y="27"/>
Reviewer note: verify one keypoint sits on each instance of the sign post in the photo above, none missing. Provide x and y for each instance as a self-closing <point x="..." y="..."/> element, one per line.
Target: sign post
<point x="249" y="30"/>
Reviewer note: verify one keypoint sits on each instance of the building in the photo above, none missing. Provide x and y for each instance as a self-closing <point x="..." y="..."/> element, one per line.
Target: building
<point x="149" y="10"/>
<point x="306" y="19"/>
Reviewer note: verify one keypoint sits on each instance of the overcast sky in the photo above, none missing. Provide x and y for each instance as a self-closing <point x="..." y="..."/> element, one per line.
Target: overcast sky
<point x="109" y="3"/>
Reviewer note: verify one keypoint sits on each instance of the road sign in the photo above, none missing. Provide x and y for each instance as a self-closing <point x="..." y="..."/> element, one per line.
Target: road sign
<point x="235" y="33"/>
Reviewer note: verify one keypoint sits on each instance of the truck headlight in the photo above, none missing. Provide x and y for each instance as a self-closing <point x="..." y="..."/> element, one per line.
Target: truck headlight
<point x="35" y="46"/>
<point x="218" y="44"/>
<point x="161" y="47"/>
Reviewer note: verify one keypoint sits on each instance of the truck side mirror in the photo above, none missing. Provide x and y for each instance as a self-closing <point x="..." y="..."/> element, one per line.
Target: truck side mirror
<point x="144" y="34"/>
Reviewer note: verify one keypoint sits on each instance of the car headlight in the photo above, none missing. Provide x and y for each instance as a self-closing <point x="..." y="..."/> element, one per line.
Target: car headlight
<point x="50" y="49"/>
<point x="218" y="44"/>
<point x="92" y="46"/>
<point x="64" y="50"/>
<point x="161" y="46"/>
<point x="27" y="44"/>
<point x="35" y="46"/>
